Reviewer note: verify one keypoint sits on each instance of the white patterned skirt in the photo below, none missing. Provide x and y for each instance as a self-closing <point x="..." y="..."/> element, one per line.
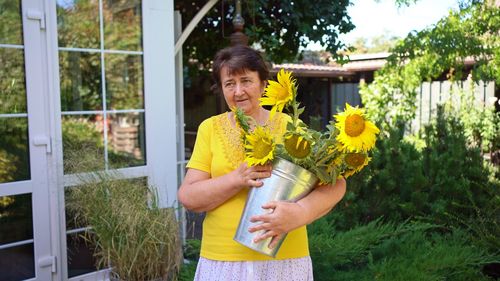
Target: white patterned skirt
<point x="299" y="269"/>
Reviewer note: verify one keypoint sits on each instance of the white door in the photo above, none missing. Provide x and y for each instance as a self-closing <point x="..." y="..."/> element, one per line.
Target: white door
<point x="116" y="87"/>
<point x="102" y="119"/>
<point x="73" y="74"/>
<point x="25" y="244"/>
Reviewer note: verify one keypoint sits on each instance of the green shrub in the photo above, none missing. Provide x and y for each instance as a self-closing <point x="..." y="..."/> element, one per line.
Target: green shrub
<point x="459" y="180"/>
<point x="446" y="182"/>
<point x="192" y="249"/>
<point x="191" y="255"/>
<point x="390" y="251"/>
<point x="188" y="271"/>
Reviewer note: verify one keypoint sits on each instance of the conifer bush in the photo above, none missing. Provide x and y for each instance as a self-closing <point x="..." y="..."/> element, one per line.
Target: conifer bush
<point x="395" y="251"/>
<point x="445" y="185"/>
<point x="446" y="182"/>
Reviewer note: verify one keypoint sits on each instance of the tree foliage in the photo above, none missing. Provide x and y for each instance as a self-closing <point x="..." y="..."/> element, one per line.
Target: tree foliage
<point x="278" y="27"/>
<point x="376" y="44"/>
<point x="468" y="33"/>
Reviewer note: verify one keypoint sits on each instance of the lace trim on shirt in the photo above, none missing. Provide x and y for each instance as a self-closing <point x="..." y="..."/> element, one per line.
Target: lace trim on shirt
<point x="231" y="137"/>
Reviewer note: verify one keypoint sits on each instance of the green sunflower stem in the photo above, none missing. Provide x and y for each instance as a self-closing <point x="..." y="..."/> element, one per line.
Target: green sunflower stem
<point x="325" y="159"/>
<point x="295" y="107"/>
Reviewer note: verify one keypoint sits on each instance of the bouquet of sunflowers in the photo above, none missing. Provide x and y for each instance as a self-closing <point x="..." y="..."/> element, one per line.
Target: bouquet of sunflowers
<point x="340" y="151"/>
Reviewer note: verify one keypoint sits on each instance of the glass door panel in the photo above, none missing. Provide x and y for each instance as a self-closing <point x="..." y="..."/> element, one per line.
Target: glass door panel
<point x="102" y="98"/>
<point x="78" y="24"/>
<point x="16" y="238"/>
<point x="122" y="25"/>
<point x="11" y="31"/>
<point x="17" y="260"/>
<point x="127" y="141"/>
<point x="12" y="85"/>
<point x="80" y="76"/>
<point x="14" y="152"/>
<point x="25" y="251"/>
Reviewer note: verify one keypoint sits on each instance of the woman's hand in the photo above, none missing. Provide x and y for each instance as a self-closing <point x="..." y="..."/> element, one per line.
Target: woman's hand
<point x="282" y="218"/>
<point x="201" y="193"/>
<point x="245" y="176"/>
<point x="287" y="216"/>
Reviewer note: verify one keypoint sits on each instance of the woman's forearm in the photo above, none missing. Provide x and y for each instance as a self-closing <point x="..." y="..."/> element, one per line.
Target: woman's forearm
<point x="287" y="216"/>
<point x="321" y="200"/>
<point x="200" y="192"/>
<point x="205" y="195"/>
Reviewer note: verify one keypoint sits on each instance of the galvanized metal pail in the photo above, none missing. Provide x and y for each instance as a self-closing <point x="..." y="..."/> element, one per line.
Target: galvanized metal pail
<point x="288" y="182"/>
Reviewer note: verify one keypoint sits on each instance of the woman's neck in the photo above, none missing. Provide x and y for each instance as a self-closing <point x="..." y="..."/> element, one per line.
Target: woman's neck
<point x="261" y="116"/>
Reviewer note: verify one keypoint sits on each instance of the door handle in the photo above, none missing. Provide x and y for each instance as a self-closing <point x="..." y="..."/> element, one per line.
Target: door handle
<point x="36" y="15"/>
<point x="43" y="140"/>
<point x="48" y="261"/>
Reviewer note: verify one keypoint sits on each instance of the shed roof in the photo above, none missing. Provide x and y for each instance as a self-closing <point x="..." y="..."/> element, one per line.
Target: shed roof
<point x="311" y="70"/>
<point x="357" y="63"/>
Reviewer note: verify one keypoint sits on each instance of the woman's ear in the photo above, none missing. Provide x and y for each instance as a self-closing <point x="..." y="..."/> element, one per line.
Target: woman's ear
<point x="264" y="85"/>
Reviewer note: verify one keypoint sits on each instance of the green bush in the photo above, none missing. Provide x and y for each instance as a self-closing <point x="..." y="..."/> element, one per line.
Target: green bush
<point x="446" y="182"/>
<point x="188" y="271"/>
<point x="191" y="255"/>
<point x="390" y="251"/>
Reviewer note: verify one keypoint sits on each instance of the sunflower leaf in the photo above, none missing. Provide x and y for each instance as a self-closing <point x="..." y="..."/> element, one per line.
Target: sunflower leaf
<point x="242" y="119"/>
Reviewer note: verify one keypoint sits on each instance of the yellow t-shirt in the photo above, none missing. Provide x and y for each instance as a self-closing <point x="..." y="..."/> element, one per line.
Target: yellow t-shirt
<point x="219" y="150"/>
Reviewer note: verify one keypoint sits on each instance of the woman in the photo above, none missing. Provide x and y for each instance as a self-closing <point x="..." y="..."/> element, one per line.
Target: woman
<point x="217" y="182"/>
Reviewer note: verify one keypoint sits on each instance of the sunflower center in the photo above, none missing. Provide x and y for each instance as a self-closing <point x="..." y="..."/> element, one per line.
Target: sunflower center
<point x="355" y="159"/>
<point x="282" y="94"/>
<point x="261" y="149"/>
<point x="354" y="125"/>
<point x="297" y="147"/>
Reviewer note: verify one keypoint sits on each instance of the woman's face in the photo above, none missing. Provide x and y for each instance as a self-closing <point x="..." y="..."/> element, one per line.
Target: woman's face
<point x="242" y="90"/>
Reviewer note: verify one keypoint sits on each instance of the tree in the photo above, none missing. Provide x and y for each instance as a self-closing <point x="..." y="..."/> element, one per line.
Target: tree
<point x="376" y="44"/>
<point x="470" y="32"/>
<point x="278" y="27"/>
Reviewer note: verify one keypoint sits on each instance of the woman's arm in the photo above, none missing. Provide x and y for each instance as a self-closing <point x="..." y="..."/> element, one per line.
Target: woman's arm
<point x="287" y="216"/>
<point x="200" y="193"/>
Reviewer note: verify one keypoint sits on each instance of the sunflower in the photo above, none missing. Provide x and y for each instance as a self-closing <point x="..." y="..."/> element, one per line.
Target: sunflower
<point x="356" y="133"/>
<point x="355" y="162"/>
<point x="297" y="145"/>
<point x="259" y="147"/>
<point x="279" y="94"/>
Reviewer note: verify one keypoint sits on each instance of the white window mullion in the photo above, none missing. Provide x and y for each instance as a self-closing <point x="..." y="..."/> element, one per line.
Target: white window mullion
<point x="11" y="46"/>
<point x="87" y="50"/>
<point x="103" y="86"/>
<point x="38" y="127"/>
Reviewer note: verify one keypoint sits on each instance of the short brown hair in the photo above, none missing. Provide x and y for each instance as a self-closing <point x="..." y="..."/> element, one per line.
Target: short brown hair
<point x="238" y="59"/>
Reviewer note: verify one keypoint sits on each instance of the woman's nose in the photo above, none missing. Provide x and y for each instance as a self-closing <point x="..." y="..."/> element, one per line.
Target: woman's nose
<point x="238" y="90"/>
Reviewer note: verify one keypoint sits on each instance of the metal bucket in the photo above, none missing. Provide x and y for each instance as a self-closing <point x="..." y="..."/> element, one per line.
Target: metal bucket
<point x="288" y="182"/>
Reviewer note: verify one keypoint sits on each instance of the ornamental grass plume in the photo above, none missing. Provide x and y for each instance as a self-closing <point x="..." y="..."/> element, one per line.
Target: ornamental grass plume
<point x="124" y="225"/>
<point x="340" y="151"/>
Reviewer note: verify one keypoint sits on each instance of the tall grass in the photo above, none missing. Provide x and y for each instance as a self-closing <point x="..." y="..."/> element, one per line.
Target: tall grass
<point x="131" y="234"/>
